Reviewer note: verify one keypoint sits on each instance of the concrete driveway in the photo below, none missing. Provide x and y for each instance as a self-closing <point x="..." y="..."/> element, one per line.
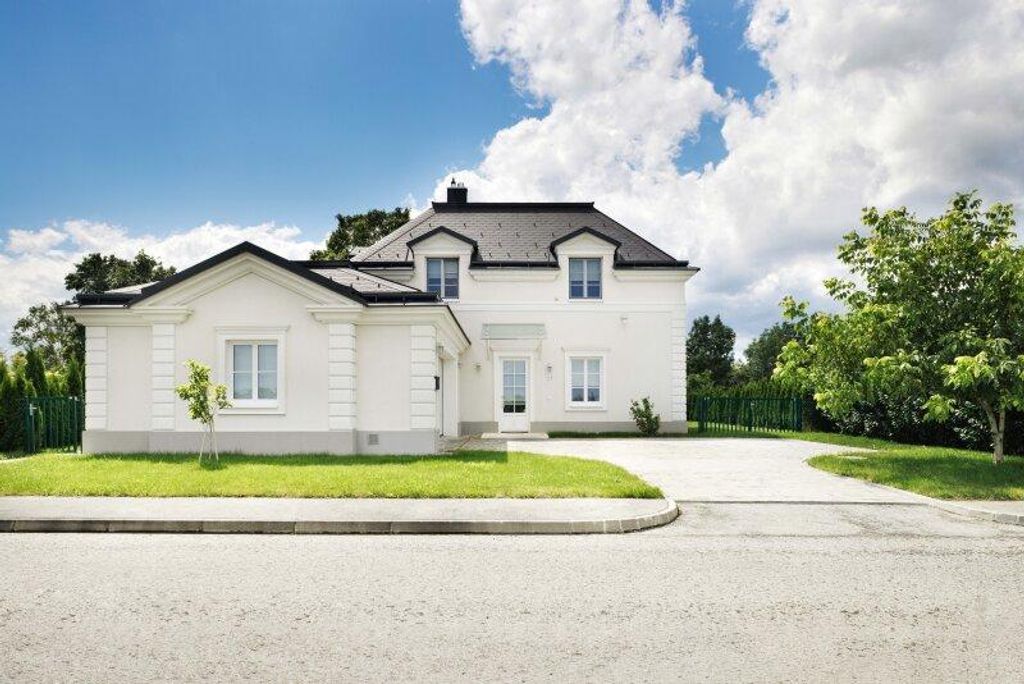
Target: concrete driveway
<point x="722" y="469"/>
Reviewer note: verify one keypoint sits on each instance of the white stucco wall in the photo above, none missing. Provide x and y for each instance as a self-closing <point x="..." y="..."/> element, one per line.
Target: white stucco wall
<point x="384" y="358"/>
<point x="128" y="378"/>
<point x="254" y="303"/>
<point x="638" y="326"/>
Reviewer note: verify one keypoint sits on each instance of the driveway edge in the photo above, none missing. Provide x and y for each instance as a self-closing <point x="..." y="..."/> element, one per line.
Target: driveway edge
<point x="511" y="524"/>
<point x="971" y="510"/>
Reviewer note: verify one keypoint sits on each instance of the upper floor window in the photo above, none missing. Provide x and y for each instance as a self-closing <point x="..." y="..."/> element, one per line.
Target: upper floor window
<point x="584" y="278"/>
<point x="443" y="277"/>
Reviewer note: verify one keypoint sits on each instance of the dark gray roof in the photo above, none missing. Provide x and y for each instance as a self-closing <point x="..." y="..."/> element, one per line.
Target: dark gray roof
<point x="515" y="232"/>
<point x="362" y="282"/>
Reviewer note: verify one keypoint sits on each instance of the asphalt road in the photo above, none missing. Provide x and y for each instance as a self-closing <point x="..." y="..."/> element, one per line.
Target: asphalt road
<point x="729" y="592"/>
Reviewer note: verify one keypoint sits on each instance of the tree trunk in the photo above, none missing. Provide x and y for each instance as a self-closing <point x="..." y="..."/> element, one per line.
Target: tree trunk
<point x="213" y="441"/>
<point x="997" y="425"/>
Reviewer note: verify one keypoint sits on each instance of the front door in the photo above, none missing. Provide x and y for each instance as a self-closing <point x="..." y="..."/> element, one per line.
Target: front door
<point x="513" y="413"/>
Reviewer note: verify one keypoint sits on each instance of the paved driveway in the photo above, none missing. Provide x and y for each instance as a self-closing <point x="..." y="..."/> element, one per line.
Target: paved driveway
<point x="723" y="470"/>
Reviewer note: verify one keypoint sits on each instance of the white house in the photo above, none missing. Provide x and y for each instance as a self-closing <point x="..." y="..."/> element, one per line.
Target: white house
<point x="471" y="318"/>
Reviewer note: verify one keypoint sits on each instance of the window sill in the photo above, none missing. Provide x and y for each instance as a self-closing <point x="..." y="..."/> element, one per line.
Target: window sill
<point x="253" y="408"/>
<point x="586" y="407"/>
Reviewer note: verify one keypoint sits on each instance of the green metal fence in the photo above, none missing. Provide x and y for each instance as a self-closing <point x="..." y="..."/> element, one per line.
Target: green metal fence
<point x="53" y="423"/>
<point x="748" y="413"/>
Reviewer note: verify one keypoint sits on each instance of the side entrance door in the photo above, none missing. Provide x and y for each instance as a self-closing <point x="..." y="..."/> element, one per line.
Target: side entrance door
<point x="513" y="411"/>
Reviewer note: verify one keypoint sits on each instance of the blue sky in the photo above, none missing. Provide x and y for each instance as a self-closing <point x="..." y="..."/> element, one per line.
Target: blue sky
<point x="185" y="127"/>
<point x="158" y="116"/>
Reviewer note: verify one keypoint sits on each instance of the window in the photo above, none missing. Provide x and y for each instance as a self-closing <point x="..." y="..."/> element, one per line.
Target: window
<point x="253" y="372"/>
<point x="443" y="277"/>
<point x="584" y="278"/>
<point x="586" y="381"/>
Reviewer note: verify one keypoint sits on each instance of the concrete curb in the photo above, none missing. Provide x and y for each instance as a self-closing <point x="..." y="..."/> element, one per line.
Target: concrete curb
<point x="950" y="506"/>
<point x="37" y="523"/>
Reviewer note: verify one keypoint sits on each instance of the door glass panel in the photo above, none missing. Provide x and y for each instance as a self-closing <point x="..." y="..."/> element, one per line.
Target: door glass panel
<point x="513" y="394"/>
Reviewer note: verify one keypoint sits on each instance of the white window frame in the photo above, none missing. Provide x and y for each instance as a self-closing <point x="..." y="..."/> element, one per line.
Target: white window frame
<point x="585" y="405"/>
<point x="226" y="338"/>
<point x="600" y="276"/>
<point x="458" y="275"/>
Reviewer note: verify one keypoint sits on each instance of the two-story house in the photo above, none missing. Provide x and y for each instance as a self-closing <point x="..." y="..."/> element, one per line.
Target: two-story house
<point x="471" y="318"/>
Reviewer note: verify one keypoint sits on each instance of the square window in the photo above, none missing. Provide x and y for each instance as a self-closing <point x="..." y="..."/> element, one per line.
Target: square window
<point x="254" y="373"/>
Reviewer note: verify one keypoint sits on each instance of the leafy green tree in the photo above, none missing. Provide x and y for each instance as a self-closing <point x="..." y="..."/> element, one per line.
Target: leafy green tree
<point x="709" y="349"/>
<point x="763" y="352"/>
<point x="98" y="273"/>
<point x="54" y="335"/>
<point x="936" y="312"/>
<point x="359" y="230"/>
<point x="204" y="400"/>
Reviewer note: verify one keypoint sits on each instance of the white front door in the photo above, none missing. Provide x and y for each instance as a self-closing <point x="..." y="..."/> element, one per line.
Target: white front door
<point x="513" y="411"/>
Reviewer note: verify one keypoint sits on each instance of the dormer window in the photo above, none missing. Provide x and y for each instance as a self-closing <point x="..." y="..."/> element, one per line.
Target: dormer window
<point x="443" y="277"/>
<point x="585" y="278"/>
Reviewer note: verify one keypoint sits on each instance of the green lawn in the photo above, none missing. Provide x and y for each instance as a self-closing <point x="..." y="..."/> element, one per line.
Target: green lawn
<point x="471" y="474"/>
<point x="933" y="471"/>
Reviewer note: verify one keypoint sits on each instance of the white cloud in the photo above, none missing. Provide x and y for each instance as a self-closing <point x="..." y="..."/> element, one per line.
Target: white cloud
<point x="34" y="262"/>
<point x="882" y="102"/>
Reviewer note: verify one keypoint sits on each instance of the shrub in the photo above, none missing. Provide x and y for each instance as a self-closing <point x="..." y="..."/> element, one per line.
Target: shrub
<point x="14" y="388"/>
<point x="647" y="421"/>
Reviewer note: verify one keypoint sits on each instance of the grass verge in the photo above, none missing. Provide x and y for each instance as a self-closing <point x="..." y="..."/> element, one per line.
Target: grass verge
<point x="467" y="474"/>
<point x="933" y="471"/>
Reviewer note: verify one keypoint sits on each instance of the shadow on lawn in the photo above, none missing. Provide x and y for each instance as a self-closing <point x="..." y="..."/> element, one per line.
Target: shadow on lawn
<point x="228" y="459"/>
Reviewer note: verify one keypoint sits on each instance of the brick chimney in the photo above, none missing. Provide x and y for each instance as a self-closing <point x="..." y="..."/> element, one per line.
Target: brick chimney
<point x="457" y="193"/>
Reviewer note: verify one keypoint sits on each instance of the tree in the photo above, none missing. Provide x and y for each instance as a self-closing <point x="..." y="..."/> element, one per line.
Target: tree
<point x="764" y="351"/>
<point x="74" y="379"/>
<point x="14" y="389"/>
<point x="709" y="349"/>
<point x="936" y="313"/>
<point x="35" y="373"/>
<point x="204" y="399"/>
<point x="359" y="230"/>
<point x="54" y="335"/>
<point x="99" y="273"/>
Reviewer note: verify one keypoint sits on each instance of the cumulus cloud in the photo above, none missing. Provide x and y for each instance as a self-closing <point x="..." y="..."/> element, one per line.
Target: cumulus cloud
<point x="34" y="262"/>
<point x="881" y="102"/>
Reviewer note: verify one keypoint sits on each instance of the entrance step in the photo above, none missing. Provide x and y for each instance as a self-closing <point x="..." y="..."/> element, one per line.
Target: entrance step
<point x="517" y="436"/>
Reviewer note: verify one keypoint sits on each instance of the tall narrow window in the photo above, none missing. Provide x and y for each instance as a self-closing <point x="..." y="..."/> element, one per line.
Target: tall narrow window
<point x="254" y="376"/>
<point x="443" y="277"/>
<point x="584" y="278"/>
<point x="585" y="382"/>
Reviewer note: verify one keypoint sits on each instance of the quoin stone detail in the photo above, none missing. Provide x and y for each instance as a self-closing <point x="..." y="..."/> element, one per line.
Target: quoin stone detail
<point x="95" y="378"/>
<point x="423" y="398"/>
<point x="341" y="376"/>
<point x="162" y="378"/>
